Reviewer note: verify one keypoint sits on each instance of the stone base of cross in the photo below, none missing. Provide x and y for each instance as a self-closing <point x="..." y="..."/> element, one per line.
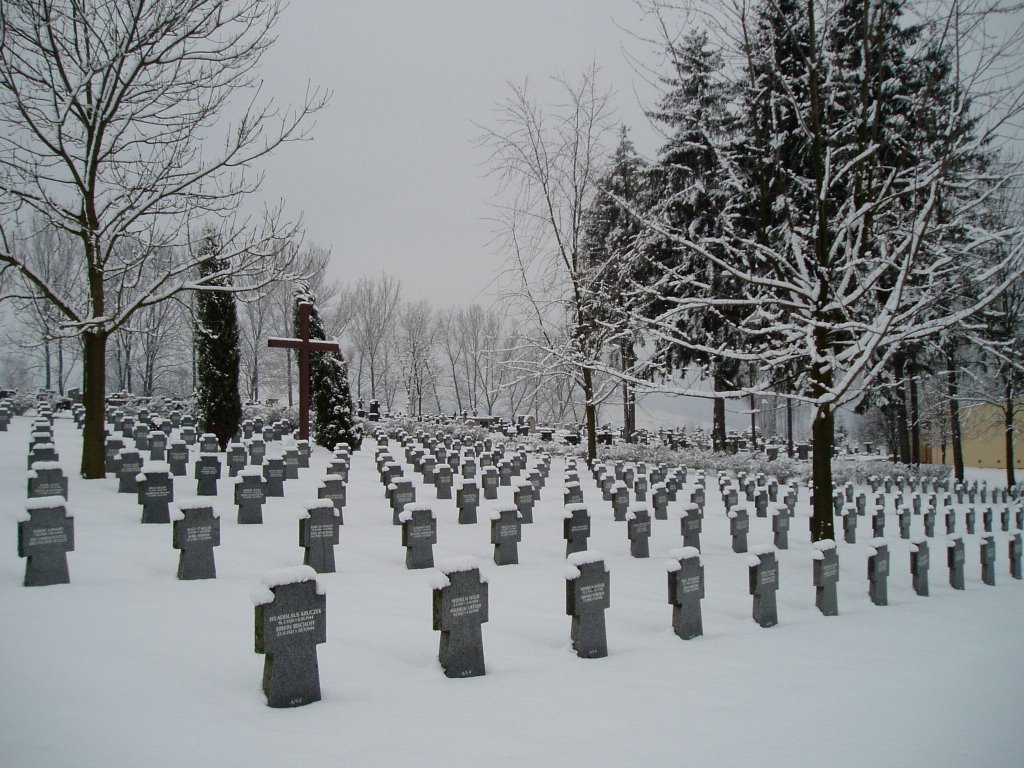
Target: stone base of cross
<point x="304" y="345"/>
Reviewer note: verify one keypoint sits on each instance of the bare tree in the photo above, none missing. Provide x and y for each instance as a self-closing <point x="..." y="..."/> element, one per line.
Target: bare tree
<point x="109" y="113"/>
<point x="375" y="308"/>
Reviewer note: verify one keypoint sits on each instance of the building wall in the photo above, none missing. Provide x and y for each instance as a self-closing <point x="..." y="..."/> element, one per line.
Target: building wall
<point x="984" y="439"/>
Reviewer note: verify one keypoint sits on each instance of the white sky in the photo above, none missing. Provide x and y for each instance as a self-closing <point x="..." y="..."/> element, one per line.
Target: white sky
<point x="392" y="181"/>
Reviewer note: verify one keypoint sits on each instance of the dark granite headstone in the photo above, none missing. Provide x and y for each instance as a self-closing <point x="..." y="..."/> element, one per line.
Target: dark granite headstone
<point x="506" y="533"/>
<point x="988" y="560"/>
<point x="332" y="488"/>
<point x="1014" y="547"/>
<point x="155" y="492"/>
<point x="419" y="534"/>
<point x="177" y="457"/>
<point x="318" y="533"/>
<point x="207" y="473"/>
<point x="850" y="525"/>
<point x="158" y="446"/>
<point x="739" y="525"/>
<point x="257" y="450"/>
<point x="489" y="483"/>
<point x="130" y="464"/>
<point x="780" y="526"/>
<point x="955" y="557"/>
<point x="46" y="533"/>
<point x="290" y="621"/>
<point x="250" y="495"/>
<point x="274" y="475"/>
<point x="929" y="523"/>
<point x="826" y="575"/>
<point x="764" y="582"/>
<point x="970" y="518"/>
<point x="524" y="499"/>
<point x="467" y="499"/>
<point x="950" y="521"/>
<point x="659" y="500"/>
<point x="620" y="501"/>
<point x="575" y="528"/>
<point x="587" y="595"/>
<point x="986" y="520"/>
<point x="903" y="516"/>
<point x="46" y="478"/>
<point x="443" y="481"/>
<point x="460" y="607"/>
<point x="638" y="529"/>
<point x="919" y="562"/>
<point x="640" y="489"/>
<point x="878" y="572"/>
<point x="573" y="493"/>
<point x="208" y="443"/>
<point x="291" y="463"/>
<point x="685" y="591"/>
<point x="400" y="493"/>
<point x="690" y="525"/>
<point x="302" y="446"/>
<point x="196" y="533"/>
<point x="236" y="459"/>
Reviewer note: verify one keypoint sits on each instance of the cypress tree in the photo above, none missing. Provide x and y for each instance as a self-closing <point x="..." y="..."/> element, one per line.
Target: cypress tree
<point x="217" y="347"/>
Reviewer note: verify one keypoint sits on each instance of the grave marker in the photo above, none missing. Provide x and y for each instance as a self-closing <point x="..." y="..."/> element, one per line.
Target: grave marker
<point x="207" y="473"/>
<point x="419" y="534"/>
<point x="177" y="457"/>
<point x="196" y="532"/>
<point x="685" y="591"/>
<point x="46" y="533"/>
<point x="826" y="576"/>
<point x="332" y="488"/>
<point x="460" y="607"/>
<point x="274" y="475"/>
<point x="638" y="529"/>
<point x="764" y="582"/>
<point x="46" y="478"/>
<point x="988" y="560"/>
<point x="1014" y="547"/>
<point x="467" y="499"/>
<point x="506" y="533"/>
<point x="523" y="498"/>
<point x="129" y="466"/>
<point x="780" y="526"/>
<point x="587" y="595"/>
<point x="739" y="525"/>
<point x="575" y="528"/>
<point x="155" y="492"/>
<point x="318" y="533"/>
<point x="955" y="557"/>
<point x="878" y="572"/>
<point x="919" y="562"/>
<point x="250" y="495"/>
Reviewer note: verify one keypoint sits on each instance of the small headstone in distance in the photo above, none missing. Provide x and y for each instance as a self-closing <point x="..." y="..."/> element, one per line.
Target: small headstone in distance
<point x="177" y="457"/>
<point x="620" y="501"/>
<point x="1004" y="519"/>
<point x="318" y="533"/>
<point x="419" y="534"/>
<point x="919" y="562"/>
<point x="929" y="523"/>
<point x="638" y="529"/>
<point x="1015" y="553"/>
<point x="42" y="453"/>
<point x="988" y="560"/>
<point x="196" y="533"/>
<point x="155" y="492"/>
<point x="291" y="463"/>
<point x="587" y="595"/>
<point x="158" y="446"/>
<point x="250" y="495"/>
<point x="955" y="557"/>
<point x="826" y="576"/>
<point x="274" y="475"/>
<point x="659" y="500"/>
<point x="257" y="450"/>
<point x="986" y="520"/>
<point x="573" y="493"/>
<point x="780" y="526"/>
<point x="302" y="446"/>
<point x="691" y="524"/>
<point x="506" y="533"/>
<point x="685" y="591"/>
<point x="575" y="528"/>
<point x="640" y="488"/>
<point x="443" y="480"/>
<point x="764" y="582"/>
<point x="850" y="525"/>
<point x="460" y="607"/>
<point x="489" y="482"/>
<point x="130" y="465"/>
<point x="236" y="459"/>
<point x="400" y="493"/>
<point x="467" y="499"/>
<point x="208" y="443"/>
<point x="739" y="525"/>
<point x="878" y="572"/>
<point x="332" y="488"/>
<point x="903" y="515"/>
<point x="207" y="473"/>
<point x="46" y="533"/>
<point x="524" y="498"/>
<point x="46" y="478"/>
<point x="291" y="619"/>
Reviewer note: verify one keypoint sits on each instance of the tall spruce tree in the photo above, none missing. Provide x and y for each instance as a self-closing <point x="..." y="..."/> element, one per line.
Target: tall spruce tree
<point x="329" y="391"/>
<point x="216" y="345"/>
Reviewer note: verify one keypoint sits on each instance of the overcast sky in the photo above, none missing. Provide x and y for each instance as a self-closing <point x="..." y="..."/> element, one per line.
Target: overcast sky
<point x="392" y="180"/>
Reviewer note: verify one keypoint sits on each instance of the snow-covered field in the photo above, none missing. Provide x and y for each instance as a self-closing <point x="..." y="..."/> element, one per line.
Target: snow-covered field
<point x="127" y="666"/>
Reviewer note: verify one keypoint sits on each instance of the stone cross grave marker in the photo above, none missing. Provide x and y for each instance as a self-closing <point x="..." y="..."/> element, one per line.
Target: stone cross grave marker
<point x="573" y="494"/>
<point x="291" y="620"/>
<point x="919" y="562"/>
<point x="489" y="482"/>
<point x="506" y="533"/>
<point x="903" y="515"/>
<point x="158" y="446"/>
<point x="826" y="576"/>
<point x="878" y="523"/>
<point x="46" y="533"/>
<point x="575" y="528"/>
<point x="419" y="535"/>
<point x="988" y="560"/>
<point x="878" y="572"/>
<point x="274" y="475"/>
<point x="1014" y="546"/>
<point x="207" y="473"/>
<point x="400" y="493"/>
<point x="236" y="459"/>
<point x="208" y="443"/>
<point x="332" y="488"/>
<point x="318" y="533"/>
<point x="587" y="595"/>
<point x="196" y="532"/>
<point x="460" y="607"/>
<point x="291" y="463"/>
<point x="850" y="525"/>
<point x="955" y="556"/>
<point x="690" y="525"/>
<point x="764" y="582"/>
<point x="42" y="453"/>
<point x="128" y="471"/>
<point x="620" y="500"/>
<point x="177" y="457"/>
<point x="467" y="499"/>
<point x="250" y="495"/>
<point x="304" y="345"/>
<point x="638" y="529"/>
<point x="685" y="591"/>
<point x="257" y="450"/>
<point x="780" y="526"/>
<point x="155" y="492"/>
<point x="443" y="480"/>
<point x="739" y="525"/>
<point x="46" y="478"/>
<point x="970" y="519"/>
<point x="524" y="498"/>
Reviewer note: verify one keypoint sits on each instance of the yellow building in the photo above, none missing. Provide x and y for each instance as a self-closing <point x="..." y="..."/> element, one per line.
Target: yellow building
<point x="984" y="440"/>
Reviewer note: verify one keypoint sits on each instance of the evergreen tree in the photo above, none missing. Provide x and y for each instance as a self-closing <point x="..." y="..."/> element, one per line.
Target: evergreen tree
<point x="216" y="345"/>
<point x="328" y="386"/>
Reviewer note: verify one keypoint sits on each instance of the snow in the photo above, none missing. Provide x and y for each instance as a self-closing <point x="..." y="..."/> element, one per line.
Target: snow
<point x="126" y="666"/>
<point x="200" y="502"/>
<point x="571" y="571"/>
<point x="280" y="577"/>
<point x="568" y="510"/>
<point x="44" y="502"/>
<point x="155" y="468"/>
<point x="684" y="553"/>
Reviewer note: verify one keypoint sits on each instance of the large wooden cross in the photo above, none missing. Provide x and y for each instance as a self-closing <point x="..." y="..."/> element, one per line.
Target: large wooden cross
<point x="304" y="345"/>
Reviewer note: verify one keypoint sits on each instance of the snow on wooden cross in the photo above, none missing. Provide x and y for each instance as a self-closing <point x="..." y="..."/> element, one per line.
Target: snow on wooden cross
<point x="304" y="345"/>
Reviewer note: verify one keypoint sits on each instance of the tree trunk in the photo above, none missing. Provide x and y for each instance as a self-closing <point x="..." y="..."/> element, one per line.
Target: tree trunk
<point x="753" y="422"/>
<point x="628" y="391"/>
<point x="94" y="353"/>
<point x="60" y="366"/>
<point x="46" y="364"/>
<point x="1011" y="411"/>
<point x="590" y="411"/>
<point x="953" y="391"/>
<point x="718" y="415"/>
<point x="288" y="361"/>
<point x="789" y="427"/>
<point x="900" y="407"/>
<point x="915" y="423"/>
<point x="822" y="523"/>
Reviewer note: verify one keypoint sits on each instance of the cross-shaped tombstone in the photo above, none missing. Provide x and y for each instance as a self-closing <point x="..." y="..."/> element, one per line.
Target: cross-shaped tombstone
<point x="236" y="459"/>
<point x="468" y="467"/>
<point x="761" y="502"/>
<point x="302" y="446"/>
<point x="141" y="437"/>
<point x="955" y="557"/>
<point x="274" y="475"/>
<point x="42" y="452"/>
<point x="929" y="523"/>
<point x="318" y="533"/>
<point x="127" y="427"/>
<point x="638" y="529"/>
<point x="685" y="591"/>
<point x="196" y="533"/>
<point x="443" y="481"/>
<point x="986" y="520"/>
<point x="826" y="576"/>
<point x="587" y="595"/>
<point x="659" y="500"/>
<point x="489" y="483"/>
<point x="607" y="484"/>
<point x="739" y="525"/>
<point x="620" y="500"/>
<point x="536" y="479"/>
<point x="177" y="457"/>
<point x="573" y="494"/>
<point x="332" y="488"/>
<point x="112" y="455"/>
<point x="1004" y="519"/>
<point x="1019" y="518"/>
<point x="764" y="581"/>
<point x="291" y="620"/>
<point x="207" y="473"/>
<point x="400" y="493"/>
<point x="291" y="463"/>
<point x="878" y="523"/>
<point x="46" y="533"/>
<point x="988" y="560"/>
<point x="155" y="492"/>
<point x="850" y="525"/>
<point x="338" y="467"/>
<point x="128" y="471"/>
<point x="878" y="572"/>
<point x="46" y="478"/>
<point x="250" y="495"/>
<point x="208" y="443"/>
<point x="304" y="345"/>
<point x="158" y="446"/>
<point x="691" y="524"/>
<point x="640" y="489"/>
<point x="505" y="472"/>
<point x="780" y="526"/>
<point x="523" y="498"/>
<point x="257" y="450"/>
<point x="950" y="521"/>
<point x="419" y="535"/>
<point x="919" y="562"/>
<point x="460" y="607"/>
<point x="575" y="528"/>
<point x="506" y="533"/>
<point x="903" y="515"/>
<point x="1014" y="547"/>
<point x="467" y="499"/>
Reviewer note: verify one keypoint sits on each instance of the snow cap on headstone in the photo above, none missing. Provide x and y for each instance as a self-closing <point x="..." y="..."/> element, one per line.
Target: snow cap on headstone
<point x="576" y="559"/>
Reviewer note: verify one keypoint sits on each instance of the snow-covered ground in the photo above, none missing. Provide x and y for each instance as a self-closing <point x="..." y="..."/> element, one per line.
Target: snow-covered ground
<point x="127" y="666"/>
